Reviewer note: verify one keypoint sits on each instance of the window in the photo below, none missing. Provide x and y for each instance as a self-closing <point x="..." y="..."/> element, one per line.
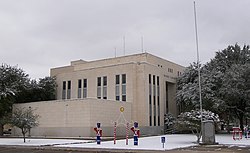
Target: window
<point x="117" y="87"/>
<point x="105" y="92"/>
<point x="79" y="84"/>
<point x="124" y="87"/>
<point x="158" y="99"/>
<point x="150" y="85"/>
<point x="69" y="90"/>
<point x="158" y="104"/>
<point x="120" y="87"/>
<point x="79" y="95"/>
<point x="170" y="70"/>
<point x="123" y="78"/>
<point x="154" y="90"/>
<point x="64" y="90"/>
<point x="117" y="92"/>
<point x="179" y="73"/>
<point x="84" y="83"/>
<point x="117" y="79"/>
<point x="154" y="100"/>
<point x="99" y="87"/>
<point x="104" y="81"/>
<point x="166" y="84"/>
<point x="150" y="110"/>
<point x="154" y="110"/>
<point x="104" y="87"/>
<point x="150" y="100"/>
<point x="154" y="120"/>
<point x="99" y="80"/>
<point x="64" y="85"/>
<point x="124" y="98"/>
<point x="84" y="88"/>
<point x="150" y="117"/>
<point x="158" y="87"/>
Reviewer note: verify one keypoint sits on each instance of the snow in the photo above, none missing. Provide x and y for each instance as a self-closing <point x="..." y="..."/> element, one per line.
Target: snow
<point x="39" y="142"/>
<point x="146" y="143"/>
<point x="228" y="140"/>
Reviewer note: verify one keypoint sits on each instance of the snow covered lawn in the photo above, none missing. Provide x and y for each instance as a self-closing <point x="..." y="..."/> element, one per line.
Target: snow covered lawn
<point x="227" y="139"/>
<point x="147" y="143"/>
<point x="39" y="142"/>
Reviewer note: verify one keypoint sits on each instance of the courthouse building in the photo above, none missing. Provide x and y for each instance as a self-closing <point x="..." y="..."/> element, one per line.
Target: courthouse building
<point x="94" y="91"/>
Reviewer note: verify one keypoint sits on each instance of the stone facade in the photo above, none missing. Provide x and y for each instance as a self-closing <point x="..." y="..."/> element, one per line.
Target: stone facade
<point x="90" y="92"/>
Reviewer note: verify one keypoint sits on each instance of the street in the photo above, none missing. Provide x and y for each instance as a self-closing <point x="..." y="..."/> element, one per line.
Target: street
<point x="198" y="149"/>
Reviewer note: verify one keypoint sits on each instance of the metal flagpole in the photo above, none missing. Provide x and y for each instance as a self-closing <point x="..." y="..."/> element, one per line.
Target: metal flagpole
<point x="124" y="46"/>
<point x="142" y="44"/>
<point x="198" y="62"/>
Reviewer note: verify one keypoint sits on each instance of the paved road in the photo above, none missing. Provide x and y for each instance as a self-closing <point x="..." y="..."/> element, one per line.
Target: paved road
<point x="199" y="149"/>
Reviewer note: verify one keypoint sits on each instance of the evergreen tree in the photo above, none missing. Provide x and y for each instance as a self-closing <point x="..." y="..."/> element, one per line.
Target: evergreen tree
<point x="235" y="91"/>
<point x="12" y="80"/>
<point x="224" y="83"/>
<point x="223" y="72"/>
<point x="16" y="87"/>
<point x="41" y="90"/>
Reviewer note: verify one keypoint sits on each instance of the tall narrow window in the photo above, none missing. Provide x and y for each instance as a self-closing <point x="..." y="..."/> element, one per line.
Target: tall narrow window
<point x="99" y="80"/>
<point x="117" y="87"/>
<point x="79" y="94"/>
<point x="150" y="101"/>
<point x="158" y="99"/>
<point x="69" y="90"/>
<point x="154" y="100"/>
<point x="166" y="97"/>
<point x="85" y="88"/>
<point x="105" y="82"/>
<point x="123" y="87"/>
<point x="64" y="90"/>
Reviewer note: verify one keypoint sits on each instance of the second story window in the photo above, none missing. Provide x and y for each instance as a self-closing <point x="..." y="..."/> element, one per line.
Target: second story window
<point x="99" y="80"/>
<point x="124" y="98"/>
<point x="85" y="84"/>
<point x="79" y="94"/>
<point x="150" y="100"/>
<point x="105" y="82"/>
<point x="117" y="87"/>
<point x="69" y="90"/>
<point x="64" y="90"/>
<point x="170" y="70"/>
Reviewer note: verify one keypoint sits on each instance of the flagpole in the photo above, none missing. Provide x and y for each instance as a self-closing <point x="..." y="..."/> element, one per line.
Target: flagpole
<point x="198" y="64"/>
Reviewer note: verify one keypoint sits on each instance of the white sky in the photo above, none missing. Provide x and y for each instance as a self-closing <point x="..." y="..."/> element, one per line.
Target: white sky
<point x="37" y="35"/>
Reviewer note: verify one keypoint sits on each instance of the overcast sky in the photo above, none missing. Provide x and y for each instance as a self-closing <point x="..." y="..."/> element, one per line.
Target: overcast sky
<point x="37" y="35"/>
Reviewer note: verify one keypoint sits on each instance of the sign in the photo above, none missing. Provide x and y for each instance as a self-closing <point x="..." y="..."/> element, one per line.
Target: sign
<point x="163" y="140"/>
<point x="121" y="109"/>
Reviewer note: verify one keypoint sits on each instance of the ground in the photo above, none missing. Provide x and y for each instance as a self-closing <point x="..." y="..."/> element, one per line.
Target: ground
<point x="174" y="144"/>
<point x="197" y="149"/>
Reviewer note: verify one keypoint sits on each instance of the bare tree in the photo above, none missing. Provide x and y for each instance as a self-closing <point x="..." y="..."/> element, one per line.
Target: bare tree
<point x="25" y="119"/>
